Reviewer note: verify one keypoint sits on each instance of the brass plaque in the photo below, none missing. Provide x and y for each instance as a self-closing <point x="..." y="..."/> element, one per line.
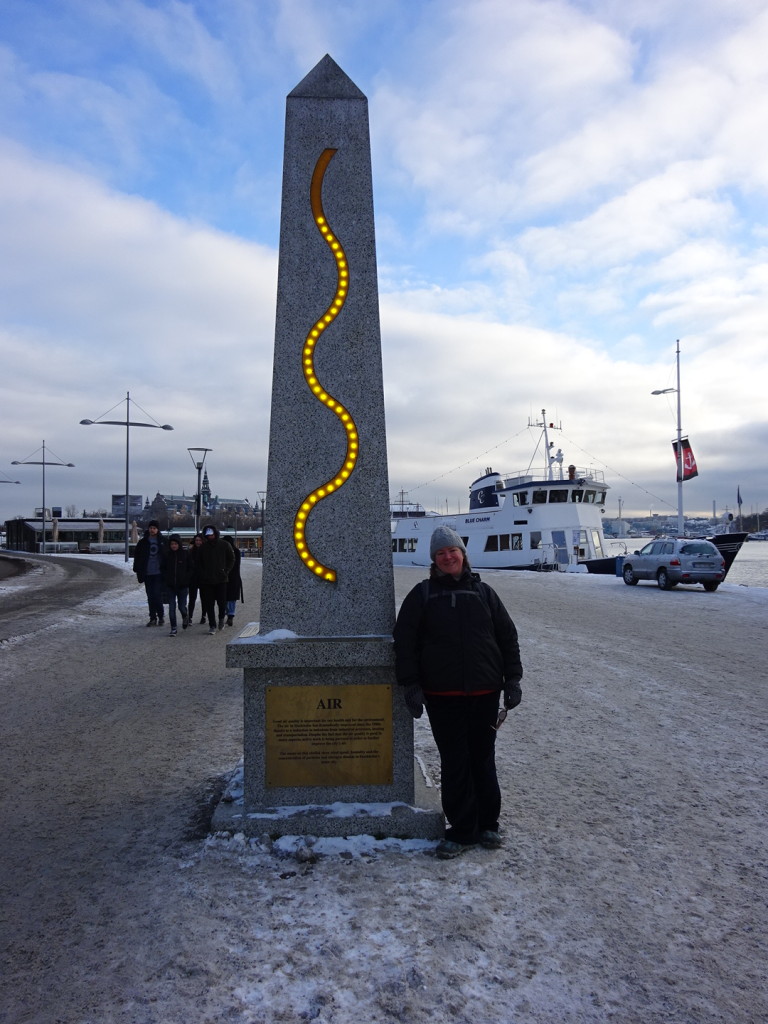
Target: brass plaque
<point x="329" y="735"/>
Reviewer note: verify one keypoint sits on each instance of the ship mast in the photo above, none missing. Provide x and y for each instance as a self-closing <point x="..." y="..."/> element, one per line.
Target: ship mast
<point x="549" y="459"/>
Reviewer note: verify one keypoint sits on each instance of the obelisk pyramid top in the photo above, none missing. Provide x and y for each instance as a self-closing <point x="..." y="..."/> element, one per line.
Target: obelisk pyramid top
<point x="327" y="81"/>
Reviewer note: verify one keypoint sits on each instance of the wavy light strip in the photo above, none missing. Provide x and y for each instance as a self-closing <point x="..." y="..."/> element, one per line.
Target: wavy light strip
<point x="308" y="365"/>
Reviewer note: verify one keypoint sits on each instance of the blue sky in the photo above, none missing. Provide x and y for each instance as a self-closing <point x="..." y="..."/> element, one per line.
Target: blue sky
<point x="562" y="189"/>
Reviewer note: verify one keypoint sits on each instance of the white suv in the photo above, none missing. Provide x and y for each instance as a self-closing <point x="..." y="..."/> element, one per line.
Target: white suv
<point x="670" y="562"/>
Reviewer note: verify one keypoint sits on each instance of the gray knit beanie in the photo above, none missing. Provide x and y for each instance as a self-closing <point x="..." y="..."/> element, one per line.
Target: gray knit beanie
<point x="445" y="537"/>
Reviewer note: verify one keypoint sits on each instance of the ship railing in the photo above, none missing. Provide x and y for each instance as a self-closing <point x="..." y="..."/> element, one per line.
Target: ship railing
<point x="581" y="474"/>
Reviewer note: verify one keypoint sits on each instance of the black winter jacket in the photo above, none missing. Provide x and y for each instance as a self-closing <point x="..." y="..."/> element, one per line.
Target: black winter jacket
<point x="141" y="556"/>
<point x="215" y="560"/>
<point x="459" y="640"/>
<point x="176" y="573"/>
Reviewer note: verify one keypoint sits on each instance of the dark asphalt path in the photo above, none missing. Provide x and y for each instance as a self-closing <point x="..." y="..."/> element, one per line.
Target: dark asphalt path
<point x="33" y="600"/>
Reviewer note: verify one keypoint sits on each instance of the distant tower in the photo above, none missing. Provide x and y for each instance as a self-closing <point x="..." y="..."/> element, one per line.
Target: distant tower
<point x="205" y="491"/>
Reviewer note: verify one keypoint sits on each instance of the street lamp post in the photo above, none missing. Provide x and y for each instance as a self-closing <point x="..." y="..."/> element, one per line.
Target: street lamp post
<point x="127" y="423"/>
<point x="679" y="460"/>
<point x="41" y="462"/>
<point x="198" y="463"/>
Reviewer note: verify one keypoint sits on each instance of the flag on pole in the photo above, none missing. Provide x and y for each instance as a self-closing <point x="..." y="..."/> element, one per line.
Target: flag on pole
<point x="690" y="469"/>
<point x="738" y="495"/>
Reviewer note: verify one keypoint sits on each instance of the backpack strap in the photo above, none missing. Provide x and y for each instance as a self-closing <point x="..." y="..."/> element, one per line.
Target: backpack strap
<point x="476" y="588"/>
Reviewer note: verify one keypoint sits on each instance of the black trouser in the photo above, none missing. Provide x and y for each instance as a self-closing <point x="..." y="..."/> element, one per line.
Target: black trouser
<point x="153" y="585"/>
<point x="192" y="599"/>
<point x="462" y="727"/>
<point x="211" y="595"/>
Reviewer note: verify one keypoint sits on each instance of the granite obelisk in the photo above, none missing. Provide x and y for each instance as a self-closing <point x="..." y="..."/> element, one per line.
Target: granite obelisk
<point x="327" y="429"/>
<point x="323" y="729"/>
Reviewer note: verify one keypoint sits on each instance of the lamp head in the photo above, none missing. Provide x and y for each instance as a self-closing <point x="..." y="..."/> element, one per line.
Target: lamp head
<point x="86" y="423"/>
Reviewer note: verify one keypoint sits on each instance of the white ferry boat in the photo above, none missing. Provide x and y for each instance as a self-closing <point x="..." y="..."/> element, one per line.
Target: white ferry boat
<point x="519" y="520"/>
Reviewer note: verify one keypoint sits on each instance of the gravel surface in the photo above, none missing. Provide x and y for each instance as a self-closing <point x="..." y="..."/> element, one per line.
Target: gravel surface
<point x="631" y="887"/>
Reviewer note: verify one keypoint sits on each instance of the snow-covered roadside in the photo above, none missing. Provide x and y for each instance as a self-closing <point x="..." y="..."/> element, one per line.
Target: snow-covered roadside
<point x="631" y="885"/>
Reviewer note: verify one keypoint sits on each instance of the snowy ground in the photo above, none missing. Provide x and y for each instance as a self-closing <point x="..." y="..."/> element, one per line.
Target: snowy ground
<point x="631" y="887"/>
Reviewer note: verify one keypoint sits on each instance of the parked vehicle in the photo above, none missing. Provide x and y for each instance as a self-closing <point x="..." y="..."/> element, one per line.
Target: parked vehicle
<point x="671" y="561"/>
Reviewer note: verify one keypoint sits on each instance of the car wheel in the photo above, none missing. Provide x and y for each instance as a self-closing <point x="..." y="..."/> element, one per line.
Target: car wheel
<point x="629" y="577"/>
<point x="662" y="578"/>
<point x="711" y="587"/>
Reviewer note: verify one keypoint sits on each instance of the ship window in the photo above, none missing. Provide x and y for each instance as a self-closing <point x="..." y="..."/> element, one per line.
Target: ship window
<point x="520" y="498"/>
<point x="504" y="542"/>
<point x="411" y="544"/>
<point x="539" y="498"/>
<point x="492" y="543"/>
<point x="590" y="497"/>
<point x="558" y="495"/>
<point x="535" y="539"/>
<point x="517" y="541"/>
<point x="577" y="495"/>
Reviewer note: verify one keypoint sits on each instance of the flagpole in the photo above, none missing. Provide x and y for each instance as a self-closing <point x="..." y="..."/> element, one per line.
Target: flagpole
<point x="680" y="471"/>
<point x="679" y="456"/>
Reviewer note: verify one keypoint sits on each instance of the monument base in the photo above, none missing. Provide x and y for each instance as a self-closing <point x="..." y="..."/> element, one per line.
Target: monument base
<point x="422" y="820"/>
<point x="328" y="747"/>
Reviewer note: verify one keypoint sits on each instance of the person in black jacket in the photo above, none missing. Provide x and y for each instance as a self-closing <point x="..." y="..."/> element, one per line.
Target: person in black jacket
<point x="148" y="564"/>
<point x="457" y="652"/>
<point x="176" y="579"/>
<point x="234" y="583"/>
<point x="216" y="560"/>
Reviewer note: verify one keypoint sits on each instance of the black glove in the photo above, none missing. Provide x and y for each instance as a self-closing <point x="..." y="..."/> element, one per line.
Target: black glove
<point x="512" y="694"/>
<point x="414" y="699"/>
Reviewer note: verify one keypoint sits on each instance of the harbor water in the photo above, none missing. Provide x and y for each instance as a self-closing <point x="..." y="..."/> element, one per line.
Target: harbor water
<point x="750" y="567"/>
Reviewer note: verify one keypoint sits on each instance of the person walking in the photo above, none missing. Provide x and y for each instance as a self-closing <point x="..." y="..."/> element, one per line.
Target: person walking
<point x="194" y="573"/>
<point x="457" y="653"/>
<point x="215" y="562"/>
<point x="234" y="583"/>
<point x="148" y="564"/>
<point x="176" y="580"/>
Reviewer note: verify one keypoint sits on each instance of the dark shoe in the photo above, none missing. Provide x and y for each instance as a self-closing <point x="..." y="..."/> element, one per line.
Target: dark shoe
<point x="184" y="620"/>
<point x="172" y="633"/>
<point x="447" y="849"/>
<point x="230" y="619"/>
<point x="202" y="621"/>
<point x="152" y="622"/>
<point x="161" y="622"/>
<point x="212" y="631"/>
<point x="490" y="840"/>
<point x="221" y="623"/>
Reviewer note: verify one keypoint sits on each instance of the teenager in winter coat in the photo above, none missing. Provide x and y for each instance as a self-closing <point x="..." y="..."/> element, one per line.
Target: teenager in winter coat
<point x="176" y="580"/>
<point x="214" y="563"/>
<point x="457" y="652"/>
<point x="234" y="583"/>
<point x="148" y="564"/>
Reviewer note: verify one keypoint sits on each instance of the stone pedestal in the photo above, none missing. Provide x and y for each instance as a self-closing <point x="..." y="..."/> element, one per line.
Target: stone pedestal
<point x="328" y="745"/>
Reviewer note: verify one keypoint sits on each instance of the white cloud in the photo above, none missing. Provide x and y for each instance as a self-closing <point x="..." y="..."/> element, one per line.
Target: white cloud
<point x="107" y="293"/>
<point x="562" y="188"/>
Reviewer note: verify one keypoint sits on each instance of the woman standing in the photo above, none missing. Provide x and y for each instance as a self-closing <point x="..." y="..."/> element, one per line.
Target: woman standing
<point x="456" y="652"/>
